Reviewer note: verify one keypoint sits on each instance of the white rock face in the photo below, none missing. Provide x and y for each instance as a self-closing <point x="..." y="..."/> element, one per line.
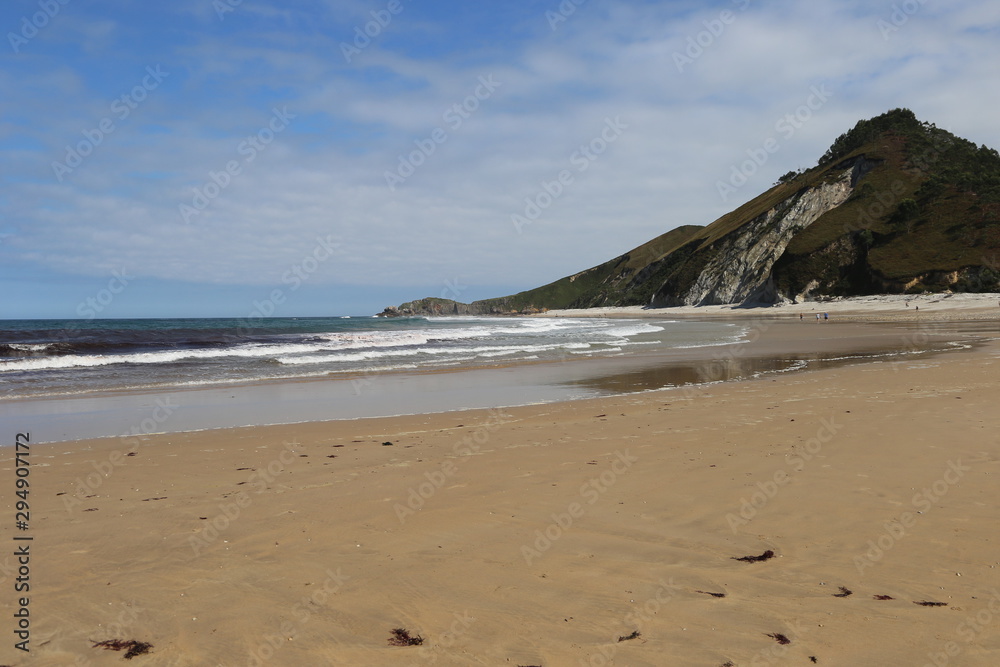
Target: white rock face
<point x="741" y="271"/>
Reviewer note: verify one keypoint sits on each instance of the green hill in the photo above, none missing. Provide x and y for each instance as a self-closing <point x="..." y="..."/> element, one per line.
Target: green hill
<point x="895" y="205"/>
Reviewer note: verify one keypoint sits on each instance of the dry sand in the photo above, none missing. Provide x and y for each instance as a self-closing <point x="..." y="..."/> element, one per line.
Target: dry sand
<point x="540" y="535"/>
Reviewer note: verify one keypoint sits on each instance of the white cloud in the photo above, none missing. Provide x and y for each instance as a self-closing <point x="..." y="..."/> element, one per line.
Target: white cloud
<point x="325" y="174"/>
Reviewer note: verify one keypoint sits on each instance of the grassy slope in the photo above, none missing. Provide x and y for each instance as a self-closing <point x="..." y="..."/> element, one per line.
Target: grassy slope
<point x="606" y="284"/>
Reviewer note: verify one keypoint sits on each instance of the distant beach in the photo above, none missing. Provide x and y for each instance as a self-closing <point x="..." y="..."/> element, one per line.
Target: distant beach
<point x="876" y="308"/>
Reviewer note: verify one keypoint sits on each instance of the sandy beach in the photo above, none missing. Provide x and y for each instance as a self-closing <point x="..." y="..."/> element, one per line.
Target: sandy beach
<point x="604" y="531"/>
<point x="878" y="308"/>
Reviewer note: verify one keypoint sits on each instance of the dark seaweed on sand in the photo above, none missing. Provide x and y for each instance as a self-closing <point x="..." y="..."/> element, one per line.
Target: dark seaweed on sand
<point x="883" y="597"/>
<point x="844" y="592"/>
<point x="714" y="595"/>
<point x="401" y="637"/>
<point x="780" y="638"/>
<point x="925" y="603"/>
<point x="767" y="555"/>
<point x="132" y="647"/>
<point x="635" y="635"/>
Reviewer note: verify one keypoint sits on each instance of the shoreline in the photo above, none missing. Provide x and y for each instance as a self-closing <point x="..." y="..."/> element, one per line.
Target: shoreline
<point x="770" y="346"/>
<point x="475" y="530"/>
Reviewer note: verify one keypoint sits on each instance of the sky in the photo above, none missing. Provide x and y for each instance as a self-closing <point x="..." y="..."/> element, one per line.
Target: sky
<point x="226" y="158"/>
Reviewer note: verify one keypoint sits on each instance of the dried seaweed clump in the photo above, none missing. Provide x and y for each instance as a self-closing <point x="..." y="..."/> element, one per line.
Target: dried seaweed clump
<point x="131" y="647"/>
<point x="714" y="595"/>
<point x="767" y="555"/>
<point x="401" y="637"/>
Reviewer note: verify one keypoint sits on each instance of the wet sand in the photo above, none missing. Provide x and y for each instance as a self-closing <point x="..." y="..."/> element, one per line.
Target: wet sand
<point x="540" y="535"/>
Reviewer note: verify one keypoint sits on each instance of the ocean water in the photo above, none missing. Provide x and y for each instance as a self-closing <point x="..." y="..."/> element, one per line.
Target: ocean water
<point x="53" y="358"/>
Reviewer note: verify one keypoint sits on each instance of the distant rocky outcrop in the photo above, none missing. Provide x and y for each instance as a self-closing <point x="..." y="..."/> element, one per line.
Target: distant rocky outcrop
<point x="435" y="307"/>
<point x="895" y="205"/>
<point x="429" y="307"/>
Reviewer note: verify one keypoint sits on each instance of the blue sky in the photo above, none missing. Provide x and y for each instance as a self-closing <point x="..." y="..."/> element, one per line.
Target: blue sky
<point x="216" y="157"/>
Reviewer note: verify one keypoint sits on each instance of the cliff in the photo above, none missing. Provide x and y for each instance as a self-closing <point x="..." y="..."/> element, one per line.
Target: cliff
<point x="738" y="268"/>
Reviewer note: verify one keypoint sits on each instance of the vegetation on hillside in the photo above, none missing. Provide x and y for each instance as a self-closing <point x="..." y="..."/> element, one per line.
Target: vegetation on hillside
<point x="929" y="210"/>
<point x="924" y="214"/>
<point x="613" y="283"/>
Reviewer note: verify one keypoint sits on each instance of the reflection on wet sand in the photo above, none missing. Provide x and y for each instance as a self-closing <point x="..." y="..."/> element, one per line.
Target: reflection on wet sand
<point x="728" y="365"/>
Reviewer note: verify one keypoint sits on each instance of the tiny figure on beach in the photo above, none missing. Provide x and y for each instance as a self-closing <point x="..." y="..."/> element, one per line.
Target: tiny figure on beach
<point x="917" y="307"/>
<point x="817" y="317"/>
<point x="800" y="317"/>
<point x="826" y="316"/>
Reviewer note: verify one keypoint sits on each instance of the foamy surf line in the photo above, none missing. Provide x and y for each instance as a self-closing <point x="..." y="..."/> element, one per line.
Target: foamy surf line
<point x="123" y="359"/>
<point x="770" y="353"/>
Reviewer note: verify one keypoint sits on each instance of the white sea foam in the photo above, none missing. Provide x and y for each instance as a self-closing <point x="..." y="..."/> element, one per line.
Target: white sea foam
<point x="463" y="339"/>
<point x="162" y="357"/>
<point x="29" y="347"/>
